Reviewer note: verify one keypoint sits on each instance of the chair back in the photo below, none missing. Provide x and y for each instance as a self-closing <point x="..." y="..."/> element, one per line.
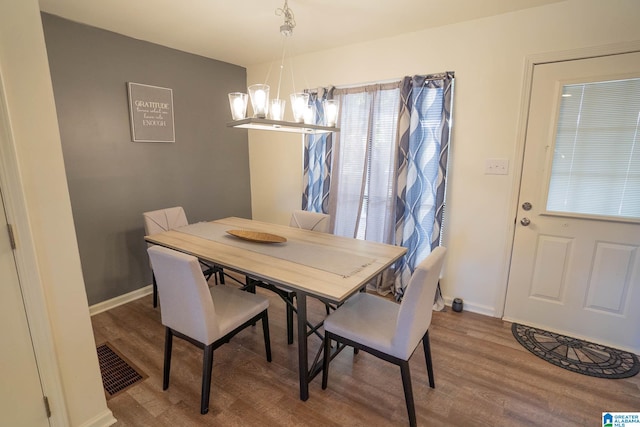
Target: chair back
<point x="164" y="220"/>
<point x="185" y="300"/>
<point x="306" y="220"/>
<point x="416" y="308"/>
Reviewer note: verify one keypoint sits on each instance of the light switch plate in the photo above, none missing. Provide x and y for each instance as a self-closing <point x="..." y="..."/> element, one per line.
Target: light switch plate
<point x="496" y="167"/>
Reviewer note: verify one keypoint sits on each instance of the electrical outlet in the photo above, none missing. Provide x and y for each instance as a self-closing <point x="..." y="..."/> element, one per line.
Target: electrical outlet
<point x="496" y="167"/>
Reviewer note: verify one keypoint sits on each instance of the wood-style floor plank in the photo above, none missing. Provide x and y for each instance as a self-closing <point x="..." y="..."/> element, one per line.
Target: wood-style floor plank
<point x="483" y="378"/>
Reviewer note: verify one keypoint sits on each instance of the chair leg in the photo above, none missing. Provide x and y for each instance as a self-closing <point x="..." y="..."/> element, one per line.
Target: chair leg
<point x="168" y="344"/>
<point x="427" y="355"/>
<point x="155" y="291"/>
<point x="207" y="367"/>
<point x="408" y="392"/>
<point x="326" y="360"/>
<point x="221" y="274"/>
<point x="267" y="339"/>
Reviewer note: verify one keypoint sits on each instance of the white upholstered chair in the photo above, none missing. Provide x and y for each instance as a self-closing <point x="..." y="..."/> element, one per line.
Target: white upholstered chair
<point x="306" y="220"/>
<point x="204" y="316"/>
<point x="168" y="219"/>
<point x="389" y="330"/>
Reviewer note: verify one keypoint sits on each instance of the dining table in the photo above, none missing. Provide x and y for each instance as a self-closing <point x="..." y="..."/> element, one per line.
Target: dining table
<point x="325" y="266"/>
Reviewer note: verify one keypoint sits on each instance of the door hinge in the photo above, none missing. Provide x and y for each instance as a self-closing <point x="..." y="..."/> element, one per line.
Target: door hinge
<point x="47" y="407"/>
<point x="12" y="237"/>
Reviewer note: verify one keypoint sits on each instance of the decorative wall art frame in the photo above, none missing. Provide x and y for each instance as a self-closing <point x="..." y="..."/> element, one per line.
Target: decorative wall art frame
<point x="151" y="113"/>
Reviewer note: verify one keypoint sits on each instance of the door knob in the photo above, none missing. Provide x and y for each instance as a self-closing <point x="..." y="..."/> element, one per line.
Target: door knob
<point x="525" y="221"/>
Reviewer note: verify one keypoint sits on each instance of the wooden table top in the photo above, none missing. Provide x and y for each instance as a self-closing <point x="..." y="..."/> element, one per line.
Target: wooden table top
<point x="312" y="281"/>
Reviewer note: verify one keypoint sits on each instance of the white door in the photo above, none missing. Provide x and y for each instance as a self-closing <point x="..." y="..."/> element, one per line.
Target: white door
<point x="574" y="271"/>
<point x="21" y="396"/>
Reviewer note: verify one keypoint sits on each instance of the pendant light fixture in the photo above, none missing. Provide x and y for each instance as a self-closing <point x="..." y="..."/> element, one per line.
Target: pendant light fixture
<point x="269" y="114"/>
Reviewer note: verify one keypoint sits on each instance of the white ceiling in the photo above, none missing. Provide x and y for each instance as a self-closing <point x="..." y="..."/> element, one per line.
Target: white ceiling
<point x="246" y="32"/>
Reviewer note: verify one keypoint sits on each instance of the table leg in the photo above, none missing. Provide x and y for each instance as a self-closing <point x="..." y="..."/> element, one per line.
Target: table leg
<point x="303" y="360"/>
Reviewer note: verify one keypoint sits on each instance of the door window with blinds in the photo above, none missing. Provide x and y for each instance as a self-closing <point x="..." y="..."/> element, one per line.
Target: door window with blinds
<point x="596" y="160"/>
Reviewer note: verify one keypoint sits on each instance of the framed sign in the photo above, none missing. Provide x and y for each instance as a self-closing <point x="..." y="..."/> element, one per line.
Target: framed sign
<point x="151" y="109"/>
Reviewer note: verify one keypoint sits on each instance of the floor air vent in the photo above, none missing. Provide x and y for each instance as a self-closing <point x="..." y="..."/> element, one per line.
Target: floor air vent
<point x="118" y="373"/>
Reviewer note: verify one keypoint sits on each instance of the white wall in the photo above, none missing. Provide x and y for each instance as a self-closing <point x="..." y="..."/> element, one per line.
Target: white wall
<point x="488" y="57"/>
<point x="38" y="193"/>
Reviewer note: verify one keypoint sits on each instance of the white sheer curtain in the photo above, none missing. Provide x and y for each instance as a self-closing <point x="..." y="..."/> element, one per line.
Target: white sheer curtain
<point x="363" y="191"/>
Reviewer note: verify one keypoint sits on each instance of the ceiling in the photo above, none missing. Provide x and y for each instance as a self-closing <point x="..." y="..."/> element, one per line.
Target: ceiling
<point x="246" y="32"/>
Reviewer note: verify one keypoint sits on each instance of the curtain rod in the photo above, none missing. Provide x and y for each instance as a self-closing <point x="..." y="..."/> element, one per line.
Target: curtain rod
<point x="433" y="76"/>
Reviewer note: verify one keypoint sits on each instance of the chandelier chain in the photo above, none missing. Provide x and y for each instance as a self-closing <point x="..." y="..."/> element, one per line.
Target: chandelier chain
<point x="286" y="29"/>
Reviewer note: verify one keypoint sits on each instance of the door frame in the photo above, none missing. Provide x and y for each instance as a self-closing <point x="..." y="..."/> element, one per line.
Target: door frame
<point x="530" y="62"/>
<point x="30" y="281"/>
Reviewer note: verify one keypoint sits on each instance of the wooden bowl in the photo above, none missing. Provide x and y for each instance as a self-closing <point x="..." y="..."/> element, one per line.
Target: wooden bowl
<point x="257" y="236"/>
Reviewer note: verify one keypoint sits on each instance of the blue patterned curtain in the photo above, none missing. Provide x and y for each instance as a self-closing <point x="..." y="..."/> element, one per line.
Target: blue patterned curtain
<point x="318" y="151"/>
<point x="424" y="119"/>
<point x="423" y="129"/>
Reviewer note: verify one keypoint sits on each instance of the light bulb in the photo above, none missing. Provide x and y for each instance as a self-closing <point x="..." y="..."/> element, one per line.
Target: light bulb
<point x="260" y="97"/>
<point x="277" y="109"/>
<point x="238" y="104"/>
<point x="299" y="102"/>
<point x="331" y="111"/>
<point x="308" y="115"/>
<point x="259" y="94"/>
<point x="238" y="107"/>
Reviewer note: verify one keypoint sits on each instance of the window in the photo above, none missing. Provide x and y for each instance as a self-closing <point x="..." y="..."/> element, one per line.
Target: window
<point x="387" y="168"/>
<point x="366" y="156"/>
<point x="596" y="163"/>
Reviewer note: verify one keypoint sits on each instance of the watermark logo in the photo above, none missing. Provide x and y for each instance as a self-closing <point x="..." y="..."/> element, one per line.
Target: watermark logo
<point x="621" y="419"/>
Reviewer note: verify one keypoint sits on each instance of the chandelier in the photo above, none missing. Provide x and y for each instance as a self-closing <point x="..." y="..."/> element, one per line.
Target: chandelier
<point x="269" y="114"/>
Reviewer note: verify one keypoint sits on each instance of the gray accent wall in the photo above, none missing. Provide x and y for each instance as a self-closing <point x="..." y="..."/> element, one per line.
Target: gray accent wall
<point x="113" y="180"/>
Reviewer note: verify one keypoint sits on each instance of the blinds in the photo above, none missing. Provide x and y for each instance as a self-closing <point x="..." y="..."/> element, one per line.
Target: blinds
<point x="596" y="162"/>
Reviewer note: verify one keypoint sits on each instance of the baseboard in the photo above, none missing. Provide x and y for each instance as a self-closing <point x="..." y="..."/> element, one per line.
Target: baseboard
<point x="474" y="308"/>
<point x="119" y="300"/>
<point x="103" y="419"/>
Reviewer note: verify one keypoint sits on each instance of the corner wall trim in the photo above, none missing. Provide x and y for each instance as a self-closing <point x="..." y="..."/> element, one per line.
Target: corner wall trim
<point x="104" y="419"/>
<point x="120" y="300"/>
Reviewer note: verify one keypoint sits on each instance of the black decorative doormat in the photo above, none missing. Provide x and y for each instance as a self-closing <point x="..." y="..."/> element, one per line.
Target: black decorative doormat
<point x="577" y="355"/>
<point x="118" y="373"/>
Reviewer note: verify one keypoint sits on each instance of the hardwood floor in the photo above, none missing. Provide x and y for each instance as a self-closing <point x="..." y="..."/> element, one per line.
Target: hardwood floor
<point x="483" y="378"/>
